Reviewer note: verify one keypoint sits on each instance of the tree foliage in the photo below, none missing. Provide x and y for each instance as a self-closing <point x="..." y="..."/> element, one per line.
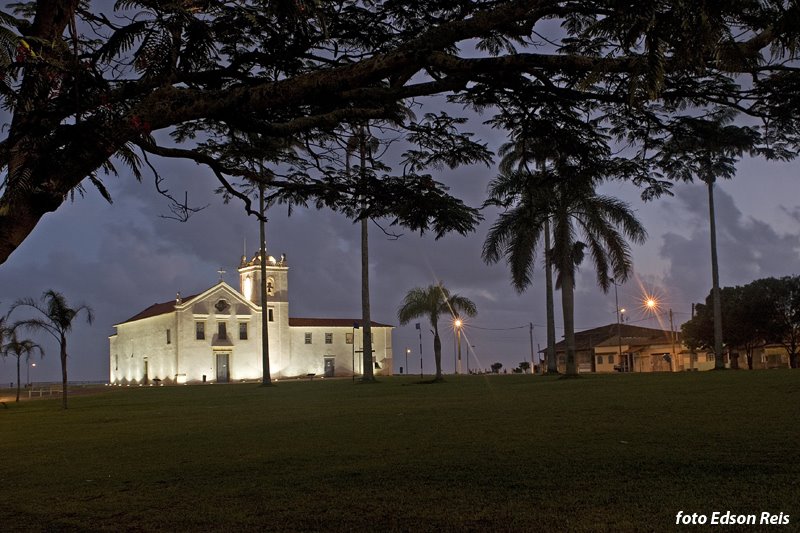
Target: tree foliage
<point x="765" y="311"/>
<point x="562" y="193"/>
<point x="433" y="302"/>
<point x="89" y="88"/>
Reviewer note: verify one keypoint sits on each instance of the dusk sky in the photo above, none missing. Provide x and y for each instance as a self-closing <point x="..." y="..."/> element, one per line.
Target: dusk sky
<point x="121" y="258"/>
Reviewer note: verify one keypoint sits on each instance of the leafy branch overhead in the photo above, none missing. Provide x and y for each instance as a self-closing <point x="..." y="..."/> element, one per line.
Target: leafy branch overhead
<point x="84" y="84"/>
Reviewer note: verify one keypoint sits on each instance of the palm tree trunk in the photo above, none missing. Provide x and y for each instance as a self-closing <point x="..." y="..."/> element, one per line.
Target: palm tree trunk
<point x="568" y="307"/>
<point x="266" y="374"/>
<point x="552" y="362"/>
<point x="719" y="363"/>
<point x="437" y="353"/>
<point x="366" y="343"/>
<point x="18" y="378"/>
<point x="366" y="329"/>
<point x="63" y="371"/>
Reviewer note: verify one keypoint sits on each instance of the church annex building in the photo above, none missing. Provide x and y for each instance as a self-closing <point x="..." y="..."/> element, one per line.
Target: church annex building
<point x="215" y="336"/>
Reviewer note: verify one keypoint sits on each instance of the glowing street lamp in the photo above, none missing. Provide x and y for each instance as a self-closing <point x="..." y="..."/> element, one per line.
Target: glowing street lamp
<point x="408" y="351"/>
<point x="652" y="304"/>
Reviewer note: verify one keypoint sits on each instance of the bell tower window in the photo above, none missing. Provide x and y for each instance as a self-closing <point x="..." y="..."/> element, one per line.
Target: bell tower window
<point x="270" y="286"/>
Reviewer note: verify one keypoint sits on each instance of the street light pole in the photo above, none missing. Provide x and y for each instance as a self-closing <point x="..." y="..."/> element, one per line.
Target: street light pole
<point x="459" y="349"/>
<point x="619" y="322"/>
<point x="420" y="350"/>
<point x="408" y="351"/>
<point x="458" y="323"/>
<point x="455" y="353"/>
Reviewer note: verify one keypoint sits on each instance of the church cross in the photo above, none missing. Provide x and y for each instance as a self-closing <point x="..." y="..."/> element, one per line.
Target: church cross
<point x="221" y="271"/>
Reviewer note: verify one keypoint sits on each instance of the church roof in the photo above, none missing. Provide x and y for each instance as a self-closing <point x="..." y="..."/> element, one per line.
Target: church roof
<point x="332" y="322"/>
<point x="157" y="309"/>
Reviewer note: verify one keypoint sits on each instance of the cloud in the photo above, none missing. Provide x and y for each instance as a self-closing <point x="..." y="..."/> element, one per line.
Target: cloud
<point x="748" y="248"/>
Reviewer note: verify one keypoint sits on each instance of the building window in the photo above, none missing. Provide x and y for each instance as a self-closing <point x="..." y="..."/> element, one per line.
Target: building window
<point x="709" y="357"/>
<point x="270" y="286"/>
<point x="222" y="331"/>
<point x="348" y="338"/>
<point x="329" y="338"/>
<point x="169" y="339"/>
<point x="270" y="315"/>
<point x="116" y="361"/>
<point x="308" y="338"/>
<point x="200" y="330"/>
<point x="599" y="359"/>
<point x="242" y="331"/>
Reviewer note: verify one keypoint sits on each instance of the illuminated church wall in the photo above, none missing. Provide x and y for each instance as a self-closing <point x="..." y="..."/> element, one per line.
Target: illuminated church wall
<point x="215" y="336"/>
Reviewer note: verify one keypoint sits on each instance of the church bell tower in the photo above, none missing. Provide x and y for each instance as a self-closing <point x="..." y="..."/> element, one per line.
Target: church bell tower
<point x="250" y="278"/>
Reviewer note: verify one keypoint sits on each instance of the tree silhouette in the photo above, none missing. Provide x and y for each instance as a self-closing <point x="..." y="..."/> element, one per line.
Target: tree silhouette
<point x="83" y="103"/>
<point x="54" y="316"/>
<point x="432" y="302"/>
<point x="19" y="348"/>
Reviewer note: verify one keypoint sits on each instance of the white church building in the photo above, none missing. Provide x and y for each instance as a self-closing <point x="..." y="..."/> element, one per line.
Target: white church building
<point x="215" y="336"/>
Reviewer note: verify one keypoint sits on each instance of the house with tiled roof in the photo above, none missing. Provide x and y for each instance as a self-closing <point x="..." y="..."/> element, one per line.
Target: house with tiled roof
<point x="628" y="348"/>
<point x="215" y="336"/>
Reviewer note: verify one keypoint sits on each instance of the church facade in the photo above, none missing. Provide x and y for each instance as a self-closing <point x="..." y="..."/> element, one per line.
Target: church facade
<point x="215" y="336"/>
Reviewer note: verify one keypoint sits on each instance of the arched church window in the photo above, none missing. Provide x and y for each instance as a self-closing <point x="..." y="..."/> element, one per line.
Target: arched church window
<point x="270" y="286"/>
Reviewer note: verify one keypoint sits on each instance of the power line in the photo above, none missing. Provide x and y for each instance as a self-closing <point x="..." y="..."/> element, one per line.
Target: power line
<point x="495" y="329"/>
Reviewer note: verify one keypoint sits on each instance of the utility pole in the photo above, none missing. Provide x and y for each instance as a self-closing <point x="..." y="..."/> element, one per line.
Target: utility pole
<point x="420" y="350"/>
<point x="533" y="366"/>
<point x="619" y="324"/>
<point x="672" y="334"/>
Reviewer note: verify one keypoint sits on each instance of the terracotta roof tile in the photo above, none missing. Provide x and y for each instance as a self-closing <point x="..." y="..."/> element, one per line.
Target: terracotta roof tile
<point x="157" y="309"/>
<point x="587" y="339"/>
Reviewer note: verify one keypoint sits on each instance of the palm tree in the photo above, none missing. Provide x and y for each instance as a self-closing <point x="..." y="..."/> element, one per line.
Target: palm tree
<point x="707" y="148"/>
<point x="365" y="144"/>
<point x="566" y="198"/>
<point x="19" y="348"/>
<point x="519" y="153"/>
<point x="432" y="302"/>
<point x="538" y="134"/>
<point x="56" y="318"/>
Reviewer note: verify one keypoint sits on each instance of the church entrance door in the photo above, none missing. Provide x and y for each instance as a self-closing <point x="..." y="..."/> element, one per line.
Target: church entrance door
<point x="329" y="367"/>
<point x="223" y="367"/>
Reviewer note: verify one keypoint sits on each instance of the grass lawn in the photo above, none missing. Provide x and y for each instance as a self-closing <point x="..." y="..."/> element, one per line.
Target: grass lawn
<point x="510" y="453"/>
